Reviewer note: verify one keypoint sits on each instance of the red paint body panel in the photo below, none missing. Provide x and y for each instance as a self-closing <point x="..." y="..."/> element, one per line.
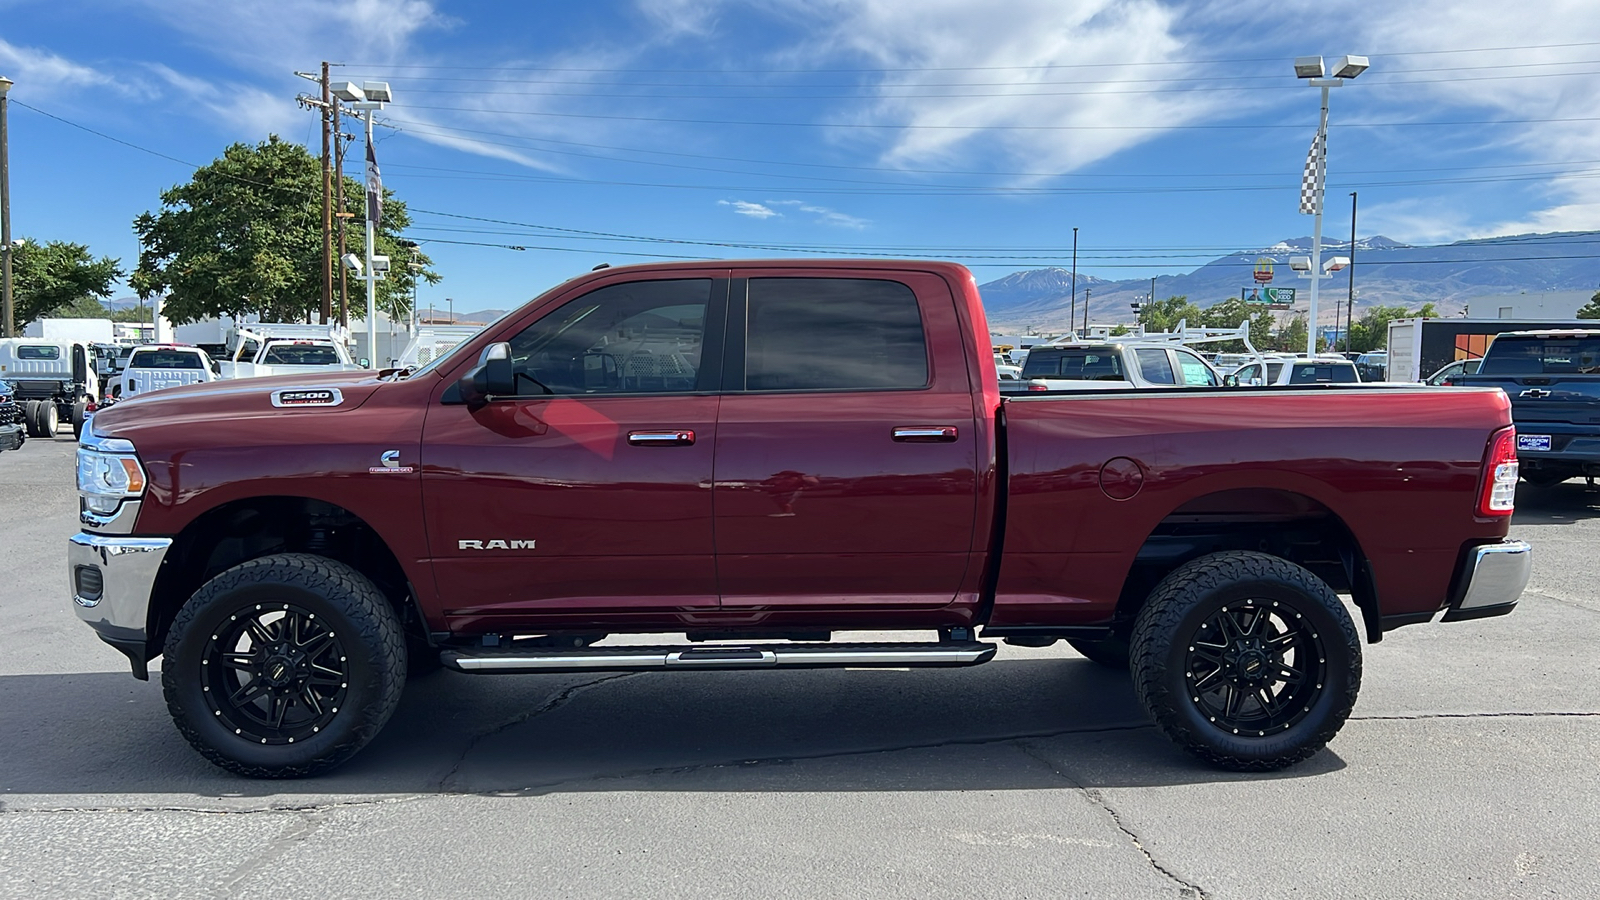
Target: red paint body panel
<point x="799" y="510"/>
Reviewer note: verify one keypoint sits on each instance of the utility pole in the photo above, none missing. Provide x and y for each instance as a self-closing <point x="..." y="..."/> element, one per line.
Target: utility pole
<point x="7" y="319"/>
<point x="327" y="203"/>
<point x="1086" y="313"/>
<point x="1349" y="320"/>
<point x="338" y="176"/>
<point x="1072" y="315"/>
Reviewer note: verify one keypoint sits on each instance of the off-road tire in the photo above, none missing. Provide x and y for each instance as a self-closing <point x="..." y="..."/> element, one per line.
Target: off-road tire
<point x="1192" y="594"/>
<point x="1111" y="652"/>
<point x="373" y="644"/>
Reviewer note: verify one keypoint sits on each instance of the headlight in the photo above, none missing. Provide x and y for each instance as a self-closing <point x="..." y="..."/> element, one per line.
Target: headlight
<point x="106" y="479"/>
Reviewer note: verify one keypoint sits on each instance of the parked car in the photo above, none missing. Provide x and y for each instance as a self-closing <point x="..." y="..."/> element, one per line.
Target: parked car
<point x="1295" y="370"/>
<point x="1105" y="366"/>
<point x="1373" y="366"/>
<point x="13" y="425"/>
<point x="1450" y="372"/>
<point x="54" y="381"/>
<point x="153" y="367"/>
<point x="810" y="447"/>
<point x="1553" y="380"/>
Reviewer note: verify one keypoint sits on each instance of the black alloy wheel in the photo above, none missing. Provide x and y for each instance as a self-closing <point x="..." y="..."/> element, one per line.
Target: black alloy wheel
<point x="275" y="674"/>
<point x="1255" y="667"/>
<point x="1246" y="660"/>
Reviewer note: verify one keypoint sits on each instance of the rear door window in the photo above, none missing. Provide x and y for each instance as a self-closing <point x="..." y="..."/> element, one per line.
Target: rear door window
<point x="299" y="355"/>
<point x="26" y="352"/>
<point x="1195" y="371"/>
<point x="1542" y="356"/>
<point x="833" y="334"/>
<point x="1323" y="373"/>
<point x="1155" y="366"/>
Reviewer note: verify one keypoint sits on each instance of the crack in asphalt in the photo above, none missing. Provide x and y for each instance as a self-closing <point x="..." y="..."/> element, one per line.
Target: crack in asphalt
<point x="1186" y="888"/>
<point x="213" y="811"/>
<point x="1564" y="601"/>
<point x="301" y="827"/>
<point x="1578" y="714"/>
<point x="553" y="703"/>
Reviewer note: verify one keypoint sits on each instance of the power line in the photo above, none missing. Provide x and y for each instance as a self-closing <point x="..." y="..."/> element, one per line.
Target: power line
<point x="1190" y="62"/>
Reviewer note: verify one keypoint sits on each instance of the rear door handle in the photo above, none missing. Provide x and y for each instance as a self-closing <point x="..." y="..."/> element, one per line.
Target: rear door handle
<point x="925" y="434"/>
<point x="679" y="437"/>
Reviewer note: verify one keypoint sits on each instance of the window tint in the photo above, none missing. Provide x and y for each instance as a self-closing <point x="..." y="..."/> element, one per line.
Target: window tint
<point x="1155" y="366"/>
<point x="1273" y="371"/>
<point x="642" y="337"/>
<point x="1195" y="371"/>
<point x="165" y="359"/>
<point x="1074" y="365"/>
<point x="827" y="334"/>
<point x="300" y="355"/>
<point x="1542" y="356"/>
<point x="1323" y="373"/>
<point x="38" y="353"/>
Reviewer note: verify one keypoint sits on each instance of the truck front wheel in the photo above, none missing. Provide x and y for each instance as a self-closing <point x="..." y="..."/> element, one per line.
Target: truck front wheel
<point x="1246" y="660"/>
<point x="43" y="418"/>
<point x="284" y="666"/>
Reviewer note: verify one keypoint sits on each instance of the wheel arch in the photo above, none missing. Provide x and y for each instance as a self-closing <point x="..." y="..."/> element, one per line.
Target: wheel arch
<point x="248" y="528"/>
<point x="1284" y="521"/>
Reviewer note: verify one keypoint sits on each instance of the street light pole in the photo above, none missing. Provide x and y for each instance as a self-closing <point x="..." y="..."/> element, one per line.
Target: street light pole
<point x="1350" y="309"/>
<point x="1311" y="68"/>
<point x="371" y="276"/>
<point x="1072" y="314"/>
<point x="7" y="319"/>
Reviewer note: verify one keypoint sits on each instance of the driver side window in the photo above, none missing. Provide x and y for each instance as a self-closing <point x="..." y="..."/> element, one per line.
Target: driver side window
<point x="641" y="337"/>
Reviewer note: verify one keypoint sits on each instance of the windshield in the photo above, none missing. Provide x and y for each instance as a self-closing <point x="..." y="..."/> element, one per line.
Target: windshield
<point x="165" y="359"/>
<point x="1511" y="355"/>
<point x="301" y="355"/>
<point x="1076" y="365"/>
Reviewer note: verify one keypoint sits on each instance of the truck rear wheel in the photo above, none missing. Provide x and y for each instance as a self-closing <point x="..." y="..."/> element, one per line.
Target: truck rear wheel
<point x="284" y="666"/>
<point x="1246" y="660"/>
<point x="42" y="418"/>
<point x="79" y="410"/>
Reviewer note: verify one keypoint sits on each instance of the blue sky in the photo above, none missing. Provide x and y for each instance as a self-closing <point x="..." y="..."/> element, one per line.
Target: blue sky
<point x="1167" y="133"/>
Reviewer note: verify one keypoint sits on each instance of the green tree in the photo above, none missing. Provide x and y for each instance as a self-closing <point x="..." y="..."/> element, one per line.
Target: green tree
<point x="244" y="236"/>
<point x="1233" y="312"/>
<point x="1164" y="315"/>
<point x="59" y="279"/>
<point x="133" y="314"/>
<point x="1120" y="330"/>
<point x="1291" y="338"/>
<point x="1371" y="331"/>
<point x="1591" y="310"/>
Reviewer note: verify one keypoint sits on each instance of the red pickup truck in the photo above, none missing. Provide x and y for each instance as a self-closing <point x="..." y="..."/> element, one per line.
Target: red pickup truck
<point x="755" y="456"/>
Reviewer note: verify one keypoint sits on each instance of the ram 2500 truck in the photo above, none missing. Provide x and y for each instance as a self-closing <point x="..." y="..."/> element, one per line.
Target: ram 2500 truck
<point x="752" y="457"/>
<point x="1553" y="380"/>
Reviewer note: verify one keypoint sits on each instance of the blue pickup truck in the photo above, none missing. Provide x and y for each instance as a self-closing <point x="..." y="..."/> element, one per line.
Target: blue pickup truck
<point x="1553" y="380"/>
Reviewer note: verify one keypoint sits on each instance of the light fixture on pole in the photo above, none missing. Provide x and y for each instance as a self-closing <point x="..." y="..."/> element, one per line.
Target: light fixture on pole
<point x="366" y="100"/>
<point x="1311" y="69"/>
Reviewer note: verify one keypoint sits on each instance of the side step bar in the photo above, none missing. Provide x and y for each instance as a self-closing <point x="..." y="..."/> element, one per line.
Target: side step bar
<point x="765" y="656"/>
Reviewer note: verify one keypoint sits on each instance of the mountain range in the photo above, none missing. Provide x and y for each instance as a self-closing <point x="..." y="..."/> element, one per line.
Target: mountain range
<point x="1386" y="272"/>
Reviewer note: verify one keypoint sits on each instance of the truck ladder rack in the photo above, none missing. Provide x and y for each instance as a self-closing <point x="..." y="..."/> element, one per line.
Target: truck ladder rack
<point x="625" y="658"/>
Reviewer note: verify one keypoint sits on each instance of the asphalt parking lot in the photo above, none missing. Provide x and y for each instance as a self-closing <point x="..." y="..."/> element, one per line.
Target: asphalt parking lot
<point x="1470" y="769"/>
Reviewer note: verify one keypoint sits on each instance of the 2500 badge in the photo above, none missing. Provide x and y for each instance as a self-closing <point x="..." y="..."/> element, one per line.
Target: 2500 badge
<point x="307" y="397"/>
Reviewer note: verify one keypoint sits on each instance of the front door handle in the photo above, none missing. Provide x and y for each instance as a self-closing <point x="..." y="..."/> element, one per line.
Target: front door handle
<point x="925" y="434"/>
<point x="677" y="437"/>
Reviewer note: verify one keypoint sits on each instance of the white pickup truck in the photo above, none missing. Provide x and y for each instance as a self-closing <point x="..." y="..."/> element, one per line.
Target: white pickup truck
<point x="153" y="367"/>
<point x="262" y="351"/>
<point x="1109" y="365"/>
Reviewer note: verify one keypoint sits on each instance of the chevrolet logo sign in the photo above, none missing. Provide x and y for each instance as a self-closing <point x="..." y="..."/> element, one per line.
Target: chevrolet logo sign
<point x="1536" y="393"/>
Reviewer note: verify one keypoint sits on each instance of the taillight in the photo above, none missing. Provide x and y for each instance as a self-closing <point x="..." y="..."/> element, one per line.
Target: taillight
<point x="1037" y="387"/>
<point x="1498" y="494"/>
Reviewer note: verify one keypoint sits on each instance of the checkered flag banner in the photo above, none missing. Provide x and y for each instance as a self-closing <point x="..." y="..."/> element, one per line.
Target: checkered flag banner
<point x="1316" y="161"/>
<point x="374" y="190"/>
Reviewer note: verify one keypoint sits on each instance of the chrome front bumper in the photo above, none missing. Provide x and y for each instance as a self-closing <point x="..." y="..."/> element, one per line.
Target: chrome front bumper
<point x="111" y="579"/>
<point x="1494" y="578"/>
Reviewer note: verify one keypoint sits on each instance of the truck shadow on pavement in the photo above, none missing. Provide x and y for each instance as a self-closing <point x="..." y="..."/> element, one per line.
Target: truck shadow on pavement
<point x="1042" y="723"/>
<point x="1560" y="504"/>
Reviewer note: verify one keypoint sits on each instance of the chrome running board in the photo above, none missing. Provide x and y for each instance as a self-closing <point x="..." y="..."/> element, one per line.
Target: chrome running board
<point x="764" y="656"/>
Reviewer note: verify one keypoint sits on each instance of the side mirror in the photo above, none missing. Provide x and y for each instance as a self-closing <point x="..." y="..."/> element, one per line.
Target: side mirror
<point x="1231" y="381"/>
<point x="491" y="377"/>
<point x="364" y="363"/>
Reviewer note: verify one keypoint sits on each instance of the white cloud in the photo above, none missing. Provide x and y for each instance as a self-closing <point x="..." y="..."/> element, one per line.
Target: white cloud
<point x="825" y="216"/>
<point x="42" y="73"/>
<point x="247" y="109"/>
<point x="753" y="210"/>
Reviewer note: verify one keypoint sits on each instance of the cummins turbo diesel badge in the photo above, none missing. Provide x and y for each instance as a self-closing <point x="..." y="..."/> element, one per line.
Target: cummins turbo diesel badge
<point x="390" y="464"/>
<point x="307" y="397"/>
